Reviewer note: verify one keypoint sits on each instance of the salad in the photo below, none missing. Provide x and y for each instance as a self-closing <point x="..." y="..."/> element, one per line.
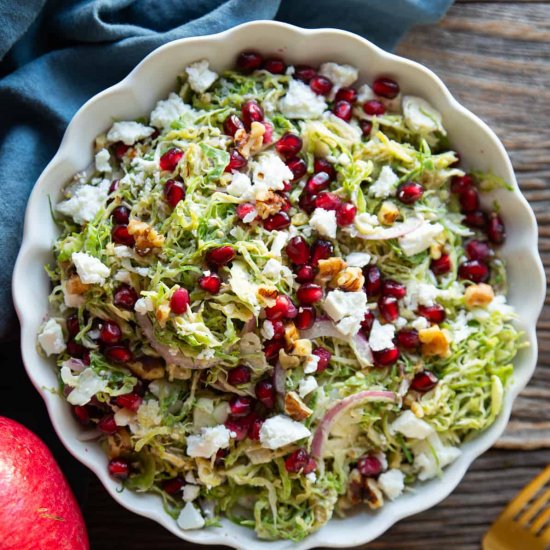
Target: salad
<point x="278" y="297"/>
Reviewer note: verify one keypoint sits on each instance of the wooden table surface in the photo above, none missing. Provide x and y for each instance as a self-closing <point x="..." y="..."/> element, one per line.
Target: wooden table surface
<point x="495" y="58"/>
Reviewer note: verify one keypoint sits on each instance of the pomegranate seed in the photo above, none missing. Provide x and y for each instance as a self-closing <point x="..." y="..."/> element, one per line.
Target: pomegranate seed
<point x="309" y="293"/>
<point x="393" y="288"/>
<point x="220" y="256"/>
<point x="296" y="461"/>
<point x="219" y="460"/>
<point x="251" y="112"/>
<point x="249" y="61"/>
<point x="373" y="280"/>
<point x="345" y="214"/>
<point x="121" y="215"/>
<point x="469" y="200"/>
<point x="243" y="210"/>
<point x="408" y="339"/>
<point x="278" y="221"/>
<point x="424" y="381"/>
<point x="298" y="167"/>
<point x="231" y="124"/>
<point x="318" y="182"/>
<point x="385" y="357"/>
<point x="236" y="161"/>
<point x="73" y="325"/>
<point x="305" y="273"/>
<point x="173" y="486"/>
<point x="170" y="159"/>
<point x="342" y="109"/>
<point x="323" y="165"/>
<point x="110" y="332"/>
<point x="369" y="466"/>
<point x="275" y="66"/>
<point x="119" y="468"/>
<point x="130" y="401"/>
<point x="366" y="127"/>
<point x="289" y="145"/>
<point x="240" y="405"/>
<point x="496" y="232"/>
<point x="118" y="354"/>
<point x="179" y="302"/>
<point x="311" y="466"/>
<point x="286" y="205"/>
<point x="271" y="349"/>
<point x="239" y="375"/>
<point x="107" y="424"/>
<point x="321" y="85"/>
<point x="307" y="202"/>
<point x="367" y="322"/>
<point x="120" y="149"/>
<point x="174" y="192"/>
<point x="478" y="250"/>
<point x="474" y="270"/>
<point x="327" y="201"/>
<point x="210" y="283"/>
<point x="476" y="220"/>
<point x="75" y="349"/>
<point x="461" y="183"/>
<point x="346" y="94"/>
<point x="434" y="314"/>
<point x="239" y="426"/>
<point x="304" y="73"/>
<point x="255" y="427"/>
<point x="324" y="356"/>
<point x="374" y="107"/>
<point x="265" y="392"/>
<point x="120" y="235"/>
<point x="305" y="318"/>
<point x="267" y="138"/>
<point x="385" y="87"/>
<point x="409" y="192"/>
<point x="125" y="297"/>
<point x="321" y="250"/>
<point x="278" y="329"/>
<point x="442" y="265"/>
<point x="297" y="250"/>
<point x="389" y="309"/>
<point x="86" y="359"/>
<point x="82" y="414"/>
<point x="283" y="309"/>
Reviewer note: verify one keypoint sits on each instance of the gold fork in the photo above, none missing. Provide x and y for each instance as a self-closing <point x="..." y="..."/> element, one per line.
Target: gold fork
<point x="525" y="522"/>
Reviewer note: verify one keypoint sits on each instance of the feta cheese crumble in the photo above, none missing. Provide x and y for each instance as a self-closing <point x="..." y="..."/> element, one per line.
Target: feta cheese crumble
<point x="392" y="483"/>
<point x="90" y="269"/>
<point x="208" y="442"/>
<point x="190" y="518"/>
<point x="51" y="338"/>
<point x="358" y="259"/>
<point x="102" y="161"/>
<point x="411" y="426"/>
<point x="199" y="76"/>
<point x="347" y="309"/>
<point x="307" y="385"/>
<point x="85" y="385"/>
<point x="324" y="222"/>
<point x="381" y="336"/>
<point x="420" y="238"/>
<point x="270" y="172"/>
<point x="85" y="203"/>
<point x="281" y="430"/>
<point x="340" y="75"/>
<point x="300" y="101"/>
<point x="420" y="116"/>
<point x="168" y="111"/>
<point x="129" y="132"/>
<point x="385" y="185"/>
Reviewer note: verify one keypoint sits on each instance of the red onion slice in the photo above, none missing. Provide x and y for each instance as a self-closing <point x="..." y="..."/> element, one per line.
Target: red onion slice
<point x="171" y="356"/>
<point x="323" y="429"/>
<point x="395" y="231"/>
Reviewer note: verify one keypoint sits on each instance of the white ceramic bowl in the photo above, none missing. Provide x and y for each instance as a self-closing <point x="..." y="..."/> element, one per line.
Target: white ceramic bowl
<point x="135" y="96"/>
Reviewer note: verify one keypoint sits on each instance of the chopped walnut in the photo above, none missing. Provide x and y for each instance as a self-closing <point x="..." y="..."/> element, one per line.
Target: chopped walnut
<point x="291" y="333"/>
<point x="329" y="268"/>
<point x="269" y="203"/>
<point x="162" y="313"/>
<point x="480" y="295"/>
<point x="267" y="295"/>
<point x="75" y="286"/>
<point x="301" y="348"/>
<point x="288" y="361"/>
<point x="372" y="494"/>
<point x="388" y="213"/>
<point x="176" y="372"/>
<point x="118" y="444"/>
<point x="295" y="407"/>
<point x="147" y="368"/>
<point x="354" y="495"/>
<point x="434" y="341"/>
<point x="100" y="142"/>
<point x="350" y="279"/>
<point x="250" y="143"/>
<point x="146" y="237"/>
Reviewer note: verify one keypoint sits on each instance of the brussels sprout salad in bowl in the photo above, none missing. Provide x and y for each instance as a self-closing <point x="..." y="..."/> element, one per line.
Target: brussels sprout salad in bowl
<point x="279" y="297"/>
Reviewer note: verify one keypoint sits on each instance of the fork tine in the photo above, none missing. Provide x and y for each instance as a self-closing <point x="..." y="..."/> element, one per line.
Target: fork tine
<point x="532" y="510"/>
<point x="524" y="496"/>
<point x="540" y="522"/>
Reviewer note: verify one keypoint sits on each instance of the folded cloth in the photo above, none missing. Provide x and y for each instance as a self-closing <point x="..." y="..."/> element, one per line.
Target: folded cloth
<point x="56" y="54"/>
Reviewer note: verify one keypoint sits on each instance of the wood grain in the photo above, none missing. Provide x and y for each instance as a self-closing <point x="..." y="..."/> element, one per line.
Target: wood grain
<point x="495" y="58"/>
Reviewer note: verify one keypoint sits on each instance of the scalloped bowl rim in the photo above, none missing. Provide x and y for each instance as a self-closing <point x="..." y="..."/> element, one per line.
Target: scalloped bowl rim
<point x="358" y="528"/>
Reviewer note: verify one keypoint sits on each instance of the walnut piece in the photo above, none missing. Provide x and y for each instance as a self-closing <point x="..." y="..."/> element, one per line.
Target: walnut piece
<point x="434" y="342"/>
<point x="480" y="295"/>
<point x="118" y="444"/>
<point x="291" y="334"/>
<point x="147" y="368"/>
<point x="329" y="268"/>
<point x="162" y="313"/>
<point x="75" y="286"/>
<point x="301" y="348"/>
<point x="250" y="143"/>
<point x="295" y="407"/>
<point x="146" y="236"/>
<point x="388" y="213"/>
<point x="269" y="203"/>
<point x="350" y="279"/>
<point x="372" y="494"/>
<point x="267" y="295"/>
<point x="288" y="361"/>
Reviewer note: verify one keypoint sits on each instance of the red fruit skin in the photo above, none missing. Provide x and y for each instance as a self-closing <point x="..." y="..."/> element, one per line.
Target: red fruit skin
<point x="37" y="508"/>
